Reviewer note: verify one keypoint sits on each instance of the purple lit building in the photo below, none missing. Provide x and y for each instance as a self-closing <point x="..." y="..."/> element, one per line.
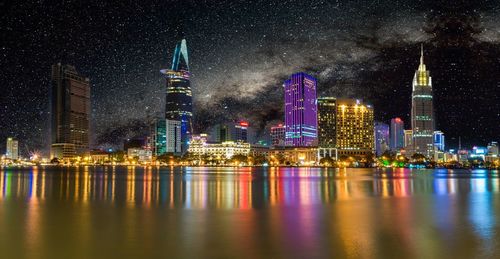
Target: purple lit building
<point x="301" y="116"/>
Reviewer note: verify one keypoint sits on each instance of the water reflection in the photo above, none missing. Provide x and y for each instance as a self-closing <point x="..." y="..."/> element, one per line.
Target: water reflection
<point x="272" y="212"/>
<point x="242" y="188"/>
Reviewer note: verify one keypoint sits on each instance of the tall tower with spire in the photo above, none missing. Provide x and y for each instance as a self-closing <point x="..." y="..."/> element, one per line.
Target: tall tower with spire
<point x="422" y="111"/>
<point x="179" y="104"/>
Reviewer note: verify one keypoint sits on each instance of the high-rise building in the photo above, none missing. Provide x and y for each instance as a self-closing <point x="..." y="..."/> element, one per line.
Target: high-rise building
<point x="229" y="132"/>
<point x="12" y="149"/>
<point x="70" y="111"/>
<point x="408" y="139"/>
<point x="422" y="117"/>
<point x="326" y="122"/>
<point x="301" y="111"/>
<point x="179" y="96"/>
<point x="354" y="128"/>
<point x="397" y="140"/>
<point x="173" y="136"/>
<point x="381" y="138"/>
<point x="278" y="135"/>
<point x="159" y="136"/>
<point x="439" y="140"/>
<point x="493" y="148"/>
<point x="166" y="137"/>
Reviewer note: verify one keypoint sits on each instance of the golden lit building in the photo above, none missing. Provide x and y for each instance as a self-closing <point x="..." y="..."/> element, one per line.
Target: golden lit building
<point x="225" y="150"/>
<point x="354" y="128"/>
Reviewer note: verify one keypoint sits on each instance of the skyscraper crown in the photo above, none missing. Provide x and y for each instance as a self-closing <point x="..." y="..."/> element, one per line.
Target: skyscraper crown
<point x="180" y="60"/>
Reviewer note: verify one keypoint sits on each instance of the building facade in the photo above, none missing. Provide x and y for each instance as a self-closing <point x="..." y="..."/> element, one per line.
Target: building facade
<point x="12" y="149"/>
<point x="301" y="111"/>
<point x="199" y="147"/>
<point x="166" y="136"/>
<point x="229" y="132"/>
<point x="70" y="109"/>
<point x="397" y="132"/>
<point x="326" y="122"/>
<point x="278" y="135"/>
<point x="381" y="138"/>
<point x="179" y="104"/>
<point x="439" y="143"/>
<point x="354" y="128"/>
<point x="422" y="111"/>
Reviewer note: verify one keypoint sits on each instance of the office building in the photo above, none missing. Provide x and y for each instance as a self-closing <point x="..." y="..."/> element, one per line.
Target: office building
<point x="12" y="150"/>
<point x="408" y="139"/>
<point x="381" y="138"/>
<point x="355" y="128"/>
<point x="493" y="148"/>
<point x="70" y="111"/>
<point x="166" y="136"/>
<point x="422" y="112"/>
<point x="397" y="141"/>
<point x="301" y="111"/>
<point x="179" y="96"/>
<point x="326" y="122"/>
<point x="278" y="135"/>
<point x="439" y="140"/>
<point x="229" y="132"/>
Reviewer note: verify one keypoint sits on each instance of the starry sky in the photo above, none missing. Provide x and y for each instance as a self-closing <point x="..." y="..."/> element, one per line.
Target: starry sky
<point x="240" y="52"/>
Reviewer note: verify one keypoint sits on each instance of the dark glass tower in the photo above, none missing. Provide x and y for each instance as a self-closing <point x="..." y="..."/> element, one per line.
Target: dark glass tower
<point x="179" y="98"/>
<point x="70" y="111"/>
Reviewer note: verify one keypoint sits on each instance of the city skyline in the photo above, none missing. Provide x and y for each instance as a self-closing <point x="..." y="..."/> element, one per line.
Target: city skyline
<point x="124" y="98"/>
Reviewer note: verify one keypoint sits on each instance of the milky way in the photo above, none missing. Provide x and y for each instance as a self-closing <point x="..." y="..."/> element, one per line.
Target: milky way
<point x="240" y="53"/>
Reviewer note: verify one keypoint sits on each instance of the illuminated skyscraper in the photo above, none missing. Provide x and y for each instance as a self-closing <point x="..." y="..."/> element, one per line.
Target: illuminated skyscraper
<point x="355" y="128"/>
<point x="422" y="117"/>
<point x="408" y="140"/>
<point x="179" y="97"/>
<point x="326" y="122"/>
<point x="12" y="149"/>
<point x="70" y="111"/>
<point x="229" y="132"/>
<point x="301" y="111"/>
<point x="397" y="140"/>
<point x="381" y="138"/>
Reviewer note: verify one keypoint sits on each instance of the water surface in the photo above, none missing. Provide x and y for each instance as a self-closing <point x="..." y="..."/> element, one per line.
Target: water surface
<point x="136" y="212"/>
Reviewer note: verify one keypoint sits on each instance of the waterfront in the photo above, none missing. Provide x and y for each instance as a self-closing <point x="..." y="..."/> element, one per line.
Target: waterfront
<point x="138" y="212"/>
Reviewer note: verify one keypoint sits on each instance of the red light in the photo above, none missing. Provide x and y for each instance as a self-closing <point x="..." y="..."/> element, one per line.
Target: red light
<point x="244" y="124"/>
<point x="398" y="120"/>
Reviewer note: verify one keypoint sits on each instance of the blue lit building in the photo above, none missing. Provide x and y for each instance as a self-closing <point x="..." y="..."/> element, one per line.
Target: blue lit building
<point x="381" y="138"/>
<point x="439" y="140"/>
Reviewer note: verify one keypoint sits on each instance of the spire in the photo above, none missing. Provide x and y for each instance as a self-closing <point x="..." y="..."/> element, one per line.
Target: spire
<point x="421" y="54"/>
<point x="180" y="60"/>
<point x="421" y="67"/>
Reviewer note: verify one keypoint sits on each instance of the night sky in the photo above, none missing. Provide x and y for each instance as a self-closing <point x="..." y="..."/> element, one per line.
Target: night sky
<point x="240" y="52"/>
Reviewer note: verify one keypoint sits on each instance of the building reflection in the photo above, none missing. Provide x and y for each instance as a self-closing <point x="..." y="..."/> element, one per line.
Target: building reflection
<point x="226" y="188"/>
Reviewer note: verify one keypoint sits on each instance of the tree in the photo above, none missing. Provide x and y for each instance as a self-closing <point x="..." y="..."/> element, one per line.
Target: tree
<point x="55" y="161"/>
<point x="327" y="161"/>
<point x="418" y="157"/>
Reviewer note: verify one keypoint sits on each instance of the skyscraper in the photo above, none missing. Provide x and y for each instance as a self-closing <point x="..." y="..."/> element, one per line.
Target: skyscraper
<point x="422" y="117"/>
<point x="326" y="122"/>
<point x="12" y="149"/>
<point x="354" y="128"/>
<point x="300" y="111"/>
<point x="179" y="96"/>
<point x="70" y="111"/>
<point x="397" y="140"/>
<point x="408" y="140"/>
<point x="381" y="138"/>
